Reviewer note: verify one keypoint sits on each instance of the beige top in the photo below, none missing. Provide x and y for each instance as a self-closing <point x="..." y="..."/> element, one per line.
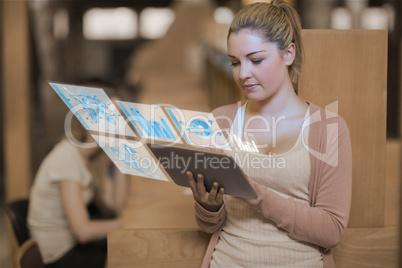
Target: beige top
<point x="47" y="220"/>
<point x="248" y="239"/>
<point x="323" y="221"/>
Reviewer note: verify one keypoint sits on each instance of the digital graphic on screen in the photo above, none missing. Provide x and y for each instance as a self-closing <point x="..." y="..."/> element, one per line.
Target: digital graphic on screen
<point x="93" y="108"/>
<point x="198" y="128"/>
<point x="150" y="121"/>
<point x="131" y="157"/>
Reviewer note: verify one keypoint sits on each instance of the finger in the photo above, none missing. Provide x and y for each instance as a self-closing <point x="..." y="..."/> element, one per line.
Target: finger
<point x="191" y="181"/>
<point x="219" y="196"/>
<point x="253" y="183"/>
<point x="200" y="184"/>
<point x="213" y="192"/>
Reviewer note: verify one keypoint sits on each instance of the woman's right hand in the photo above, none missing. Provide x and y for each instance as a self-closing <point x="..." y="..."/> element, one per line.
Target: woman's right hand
<point x="211" y="201"/>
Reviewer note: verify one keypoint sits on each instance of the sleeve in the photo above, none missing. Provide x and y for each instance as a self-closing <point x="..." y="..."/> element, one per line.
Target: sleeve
<point x="208" y="221"/>
<point x="66" y="164"/>
<point x="324" y="222"/>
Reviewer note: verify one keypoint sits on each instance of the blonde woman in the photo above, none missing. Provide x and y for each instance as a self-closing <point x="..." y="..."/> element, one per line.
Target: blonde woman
<point x="303" y="205"/>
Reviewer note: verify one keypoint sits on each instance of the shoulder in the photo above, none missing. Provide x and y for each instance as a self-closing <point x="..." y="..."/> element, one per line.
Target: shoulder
<point x="65" y="150"/>
<point x="64" y="161"/>
<point x="323" y="117"/>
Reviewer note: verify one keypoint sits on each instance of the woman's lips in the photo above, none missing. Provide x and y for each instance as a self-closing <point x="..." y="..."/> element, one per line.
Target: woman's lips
<point x="249" y="87"/>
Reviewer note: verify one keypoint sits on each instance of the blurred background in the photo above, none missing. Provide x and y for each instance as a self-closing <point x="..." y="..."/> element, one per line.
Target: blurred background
<point x="152" y="51"/>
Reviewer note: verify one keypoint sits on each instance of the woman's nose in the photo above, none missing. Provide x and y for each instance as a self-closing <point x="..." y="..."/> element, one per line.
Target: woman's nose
<point x="244" y="72"/>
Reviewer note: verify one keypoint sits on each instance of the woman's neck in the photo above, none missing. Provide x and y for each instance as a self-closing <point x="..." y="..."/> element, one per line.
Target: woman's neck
<point x="285" y="102"/>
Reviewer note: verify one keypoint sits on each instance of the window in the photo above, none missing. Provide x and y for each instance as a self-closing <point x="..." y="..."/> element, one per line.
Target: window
<point x="110" y="24"/>
<point x="341" y="18"/>
<point x="223" y="15"/>
<point x="374" y="18"/>
<point x="154" y="22"/>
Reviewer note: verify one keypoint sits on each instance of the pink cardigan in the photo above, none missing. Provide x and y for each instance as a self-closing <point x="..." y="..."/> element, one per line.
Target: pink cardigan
<point x="324" y="220"/>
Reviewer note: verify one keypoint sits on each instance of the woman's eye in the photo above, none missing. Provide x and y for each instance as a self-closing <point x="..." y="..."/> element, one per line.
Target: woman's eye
<point x="235" y="63"/>
<point x="256" y="61"/>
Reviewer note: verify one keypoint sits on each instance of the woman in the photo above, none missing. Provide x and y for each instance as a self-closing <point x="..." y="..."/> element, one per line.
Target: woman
<point x="303" y="205"/>
<point x="61" y="218"/>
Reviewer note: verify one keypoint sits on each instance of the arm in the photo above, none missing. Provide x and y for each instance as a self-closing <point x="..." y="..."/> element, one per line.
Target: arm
<point x="112" y="191"/>
<point x="83" y="228"/>
<point x="322" y="224"/>
<point x="208" y="221"/>
<point x="210" y="211"/>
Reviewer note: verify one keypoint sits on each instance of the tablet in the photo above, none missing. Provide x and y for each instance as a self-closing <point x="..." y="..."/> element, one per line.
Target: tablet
<point x="214" y="166"/>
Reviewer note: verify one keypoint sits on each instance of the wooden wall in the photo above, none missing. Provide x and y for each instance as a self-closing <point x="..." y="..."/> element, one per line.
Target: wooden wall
<point x="341" y="68"/>
<point x="16" y="98"/>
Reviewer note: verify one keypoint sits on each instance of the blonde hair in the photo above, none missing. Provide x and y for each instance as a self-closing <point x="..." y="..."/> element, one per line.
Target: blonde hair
<point x="276" y="22"/>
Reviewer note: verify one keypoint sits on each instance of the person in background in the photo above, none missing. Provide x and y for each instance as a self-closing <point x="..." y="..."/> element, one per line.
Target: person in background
<point x="77" y="195"/>
<point x="303" y="206"/>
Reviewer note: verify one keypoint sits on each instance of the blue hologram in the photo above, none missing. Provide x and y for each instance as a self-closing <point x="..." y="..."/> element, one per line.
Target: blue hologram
<point x="152" y="128"/>
<point x="179" y="125"/>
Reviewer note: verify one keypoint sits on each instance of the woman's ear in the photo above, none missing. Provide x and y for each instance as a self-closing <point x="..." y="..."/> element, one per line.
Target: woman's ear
<point x="289" y="54"/>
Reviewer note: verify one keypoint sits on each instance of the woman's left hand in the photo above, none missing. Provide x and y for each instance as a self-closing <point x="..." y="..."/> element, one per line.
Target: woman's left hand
<point x="211" y="201"/>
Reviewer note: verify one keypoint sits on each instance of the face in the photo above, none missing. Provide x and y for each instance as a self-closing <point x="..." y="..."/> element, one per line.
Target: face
<point x="258" y="67"/>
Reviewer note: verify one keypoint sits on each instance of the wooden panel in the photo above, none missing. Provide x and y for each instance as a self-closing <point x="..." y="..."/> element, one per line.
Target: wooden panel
<point x="368" y="248"/>
<point x="158" y="204"/>
<point x="400" y="164"/>
<point x="156" y="248"/>
<point x="349" y="70"/>
<point x="16" y="99"/>
<point x="392" y="186"/>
